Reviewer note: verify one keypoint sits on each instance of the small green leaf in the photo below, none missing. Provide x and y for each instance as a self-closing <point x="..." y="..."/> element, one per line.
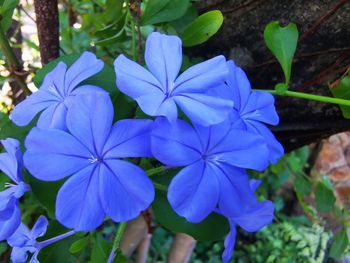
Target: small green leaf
<point x="6" y="11"/>
<point x="120" y="258"/>
<point x="325" y="198"/>
<point x="302" y="185"/>
<point x="78" y="245"/>
<point x="340" y="244"/>
<point x="10" y="130"/>
<point x="214" y="227"/>
<point x="100" y="250"/>
<point x="159" y="11"/>
<point x="342" y="91"/>
<point x="104" y="79"/>
<point x="282" y="41"/>
<point x="202" y="28"/>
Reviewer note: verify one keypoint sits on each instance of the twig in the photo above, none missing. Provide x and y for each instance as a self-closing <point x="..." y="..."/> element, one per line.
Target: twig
<point x="321" y="20"/>
<point x="181" y="249"/>
<point x="13" y="64"/>
<point x="235" y="9"/>
<point x="143" y="249"/>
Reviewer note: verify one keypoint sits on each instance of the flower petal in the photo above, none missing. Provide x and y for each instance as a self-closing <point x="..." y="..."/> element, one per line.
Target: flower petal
<point x="201" y="77"/>
<point x="230" y="242"/>
<point x="90" y="118"/>
<point x="26" y="110"/>
<point x="84" y="67"/>
<point x="125" y="190"/>
<point x="53" y="117"/>
<point x="11" y="162"/>
<point x="256" y="217"/>
<point x="260" y="107"/>
<point x="7" y="203"/>
<point x="54" y="81"/>
<point x="276" y="150"/>
<point x="19" y="255"/>
<point x="9" y="226"/>
<point x="86" y="90"/>
<point x="239" y="84"/>
<point x="249" y="150"/>
<point x="175" y="144"/>
<point x="163" y="57"/>
<point x="78" y="204"/>
<point x="54" y="148"/>
<point x="129" y="138"/>
<point x="21" y="237"/>
<point x="40" y="227"/>
<point x="194" y="191"/>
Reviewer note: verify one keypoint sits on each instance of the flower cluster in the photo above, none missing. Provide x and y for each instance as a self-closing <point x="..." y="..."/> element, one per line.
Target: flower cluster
<point x="76" y="140"/>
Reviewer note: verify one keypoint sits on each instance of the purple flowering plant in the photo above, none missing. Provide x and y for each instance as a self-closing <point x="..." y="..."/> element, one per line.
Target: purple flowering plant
<point x="205" y="123"/>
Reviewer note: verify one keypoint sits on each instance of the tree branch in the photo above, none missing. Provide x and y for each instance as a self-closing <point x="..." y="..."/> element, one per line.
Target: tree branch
<point x="181" y="249"/>
<point x="48" y="29"/>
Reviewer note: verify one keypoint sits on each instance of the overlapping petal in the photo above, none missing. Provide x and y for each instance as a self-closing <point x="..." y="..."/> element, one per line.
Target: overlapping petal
<point x="9" y="226"/>
<point x="129" y="138"/>
<point x="194" y="192"/>
<point x="125" y="190"/>
<point x="39" y="228"/>
<point x="90" y="118"/>
<point x="175" y="144"/>
<point x="11" y="162"/>
<point x="78" y="205"/>
<point x="47" y="150"/>
<point x="230" y="242"/>
<point x="242" y="149"/>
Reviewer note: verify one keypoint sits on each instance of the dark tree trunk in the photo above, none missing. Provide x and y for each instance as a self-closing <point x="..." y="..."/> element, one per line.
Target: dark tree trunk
<point x="322" y="57"/>
<point x="47" y="22"/>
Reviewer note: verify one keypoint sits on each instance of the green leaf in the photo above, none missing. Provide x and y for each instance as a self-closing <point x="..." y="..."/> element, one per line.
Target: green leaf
<point x="6" y="11"/>
<point x="57" y="252"/>
<point x="282" y="41"/>
<point x="45" y="192"/>
<point x="120" y="258"/>
<point x="100" y="250"/>
<point x="159" y="11"/>
<point x="342" y="91"/>
<point x="325" y="198"/>
<point x="10" y="130"/>
<point x="104" y="79"/>
<point x="202" y="28"/>
<point x="302" y="185"/>
<point x="340" y="244"/>
<point x="78" y="245"/>
<point x="214" y="227"/>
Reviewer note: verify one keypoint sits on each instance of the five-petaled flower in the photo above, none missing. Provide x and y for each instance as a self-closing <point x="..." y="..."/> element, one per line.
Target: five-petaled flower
<point x="24" y="241"/>
<point x="57" y="86"/>
<point x="159" y="90"/>
<point x="214" y="157"/>
<point x="100" y="184"/>
<point x="11" y="164"/>
<point x="251" y="216"/>
<point x="251" y="110"/>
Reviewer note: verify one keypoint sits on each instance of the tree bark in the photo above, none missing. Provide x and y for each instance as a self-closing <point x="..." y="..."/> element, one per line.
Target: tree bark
<point x="322" y="57"/>
<point x="47" y="22"/>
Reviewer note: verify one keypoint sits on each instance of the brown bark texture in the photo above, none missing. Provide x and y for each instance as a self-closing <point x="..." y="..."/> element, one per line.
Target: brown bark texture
<point x="46" y="12"/>
<point x="322" y="57"/>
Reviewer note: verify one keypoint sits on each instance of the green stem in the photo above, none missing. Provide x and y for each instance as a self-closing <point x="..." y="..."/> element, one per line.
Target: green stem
<point x="156" y="170"/>
<point x="13" y="63"/>
<point x="133" y="36"/>
<point x="116" y="242"/>
<point x="307" y="96"/>
<point x="160" y="187"/>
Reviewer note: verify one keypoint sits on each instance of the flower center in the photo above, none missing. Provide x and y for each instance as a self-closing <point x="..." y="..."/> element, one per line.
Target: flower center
<point x="94" y="159"/>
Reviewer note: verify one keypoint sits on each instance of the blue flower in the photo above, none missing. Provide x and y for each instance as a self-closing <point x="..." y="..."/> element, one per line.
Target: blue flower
<point x="252" y="110"/>
<point x="57" y="86"/>
<point x="213" y="158"/>
<point x="159" y="90"/>
<point x="11" y="164"/>
<point x="251" y="217"/>
<point x="100" y="184"/>
<point x="24" y="241"/>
